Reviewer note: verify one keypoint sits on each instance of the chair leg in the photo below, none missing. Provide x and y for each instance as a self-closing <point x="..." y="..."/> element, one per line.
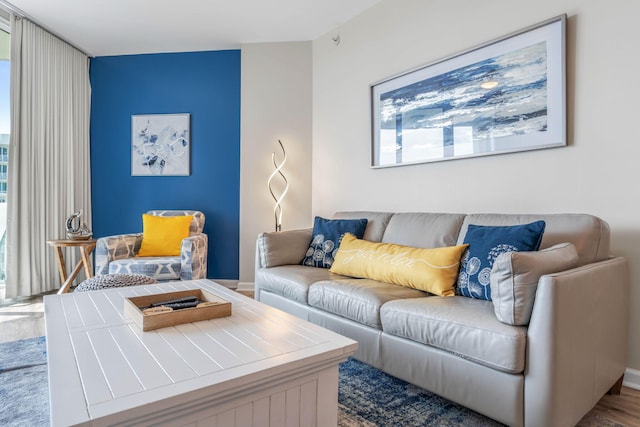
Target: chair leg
<point x="617" y="387"/>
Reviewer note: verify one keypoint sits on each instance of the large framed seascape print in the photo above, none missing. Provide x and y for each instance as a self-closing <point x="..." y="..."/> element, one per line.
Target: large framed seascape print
<point x="504" y="96"/>
<point x="160" y="145"/>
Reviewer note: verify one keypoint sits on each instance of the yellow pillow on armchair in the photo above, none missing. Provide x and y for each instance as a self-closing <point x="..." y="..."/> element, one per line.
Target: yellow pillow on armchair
<point x="432" y="270"/>
<point x="163" y="235"/>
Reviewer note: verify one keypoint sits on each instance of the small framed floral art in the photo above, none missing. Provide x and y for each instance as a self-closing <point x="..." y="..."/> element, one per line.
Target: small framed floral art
<point x="160" y="145"/>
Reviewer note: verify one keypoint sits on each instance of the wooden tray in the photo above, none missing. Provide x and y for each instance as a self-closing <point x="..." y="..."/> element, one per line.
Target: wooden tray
<point x="151" y="321"/>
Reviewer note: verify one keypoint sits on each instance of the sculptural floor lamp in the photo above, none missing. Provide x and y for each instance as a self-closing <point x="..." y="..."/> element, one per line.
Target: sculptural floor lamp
<point x="277" y="208"/>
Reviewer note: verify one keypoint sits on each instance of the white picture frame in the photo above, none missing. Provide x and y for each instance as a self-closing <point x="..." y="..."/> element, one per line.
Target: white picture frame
<point x="504" y="96"/>
<point x="160" y="145"/>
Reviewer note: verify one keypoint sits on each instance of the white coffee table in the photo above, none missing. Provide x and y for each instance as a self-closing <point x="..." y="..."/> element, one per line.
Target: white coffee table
<point x="259" y="367"/>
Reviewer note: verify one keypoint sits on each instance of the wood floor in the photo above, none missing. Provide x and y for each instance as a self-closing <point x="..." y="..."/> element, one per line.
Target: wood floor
<point x="24" y="318"/>
<point x="21" y="318"/>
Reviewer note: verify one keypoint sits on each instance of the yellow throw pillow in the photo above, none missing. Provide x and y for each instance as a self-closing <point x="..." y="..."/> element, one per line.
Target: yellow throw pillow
<point x="432" y="270"/>
<point x="162" y="235"/>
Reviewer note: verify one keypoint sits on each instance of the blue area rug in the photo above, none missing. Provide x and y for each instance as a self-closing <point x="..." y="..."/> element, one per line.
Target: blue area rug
<point x="367" y="397"/>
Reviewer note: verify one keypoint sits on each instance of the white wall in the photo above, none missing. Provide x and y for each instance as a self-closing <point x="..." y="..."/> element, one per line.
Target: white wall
<point x="595" y="174"/>
<point x="276" y="104"/>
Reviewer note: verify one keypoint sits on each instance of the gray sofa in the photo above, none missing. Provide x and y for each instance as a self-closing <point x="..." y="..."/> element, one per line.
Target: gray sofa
<point x="550" y="372"/>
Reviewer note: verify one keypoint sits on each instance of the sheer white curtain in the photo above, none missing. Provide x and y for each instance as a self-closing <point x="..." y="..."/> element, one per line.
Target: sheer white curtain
<point x="49" y="175"/>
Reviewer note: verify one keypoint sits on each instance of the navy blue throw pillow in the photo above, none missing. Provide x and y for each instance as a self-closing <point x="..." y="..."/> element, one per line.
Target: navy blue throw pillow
<point x="327" y="234"/>
<point x="485" y="244"/>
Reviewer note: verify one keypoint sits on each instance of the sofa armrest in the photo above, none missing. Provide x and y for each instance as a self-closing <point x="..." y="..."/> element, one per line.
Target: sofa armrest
<point x="112" y="248"/>
<point x="193" y="257"/>
<point x="282" y="247"/>
<point x="577" y="341"/>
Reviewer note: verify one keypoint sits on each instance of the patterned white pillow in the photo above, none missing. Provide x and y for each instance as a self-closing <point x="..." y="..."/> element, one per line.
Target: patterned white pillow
<point x="326" y="237"/>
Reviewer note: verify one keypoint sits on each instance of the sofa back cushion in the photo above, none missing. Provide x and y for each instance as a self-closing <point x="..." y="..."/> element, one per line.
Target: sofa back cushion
<point x="423" y="230"/>
<point x="376" y="222"/>
<point x="589" y="234"/>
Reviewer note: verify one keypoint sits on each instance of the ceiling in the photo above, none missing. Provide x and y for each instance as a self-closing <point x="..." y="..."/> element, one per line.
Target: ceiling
<point x="120" y="27"/>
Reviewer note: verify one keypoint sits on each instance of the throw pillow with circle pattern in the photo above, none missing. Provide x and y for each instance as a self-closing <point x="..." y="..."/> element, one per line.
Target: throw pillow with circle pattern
<point x="485" y="244"/>
<point x="326" y="237"/>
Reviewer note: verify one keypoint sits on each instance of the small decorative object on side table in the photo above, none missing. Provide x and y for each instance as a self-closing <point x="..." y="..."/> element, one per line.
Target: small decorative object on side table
<point x="77" y="235"/>
<point x="76" y="228"/>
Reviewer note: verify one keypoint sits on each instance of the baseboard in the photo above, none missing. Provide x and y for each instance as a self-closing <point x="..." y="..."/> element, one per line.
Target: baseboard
<point x="235" y="284"/>
<point x="246" y="286"/>
<point x="632" y="378"/>
<point x="231" y="284"/>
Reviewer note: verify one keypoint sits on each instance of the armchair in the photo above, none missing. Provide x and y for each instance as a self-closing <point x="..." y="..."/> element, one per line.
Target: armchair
<point x="118" y="254"/>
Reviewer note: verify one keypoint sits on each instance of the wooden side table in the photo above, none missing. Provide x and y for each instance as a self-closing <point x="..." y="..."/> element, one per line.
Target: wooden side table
<point x="86" y="247"/>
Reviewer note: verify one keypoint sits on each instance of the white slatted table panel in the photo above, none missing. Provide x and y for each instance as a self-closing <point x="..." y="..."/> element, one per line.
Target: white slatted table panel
<point x="259" y="367"/>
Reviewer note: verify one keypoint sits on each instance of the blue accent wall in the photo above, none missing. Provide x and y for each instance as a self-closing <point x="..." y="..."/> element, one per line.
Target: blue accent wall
<point x="203" y="84"/>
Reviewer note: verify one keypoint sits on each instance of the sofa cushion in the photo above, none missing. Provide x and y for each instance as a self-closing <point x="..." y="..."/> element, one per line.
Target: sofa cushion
<point x="327" y="234"/>
<point x="432" y="270"/>
<point x="292" y="281"/>
<point x="515" y="275"/>
<point x="464" y="326"/>
<point x="376" y="222"/>
<point x="589" y="234"/>
<point x="485" y="244"/>
<point x="423" y="230"/>
<point x="160" y="268"/>
<point x="357" y="299"/>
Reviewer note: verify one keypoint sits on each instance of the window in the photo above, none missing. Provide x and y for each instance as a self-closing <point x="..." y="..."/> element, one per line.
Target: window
<point x="5" y="126"/>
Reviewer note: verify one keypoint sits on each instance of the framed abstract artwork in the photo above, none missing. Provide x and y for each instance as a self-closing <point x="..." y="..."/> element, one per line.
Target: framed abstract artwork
<point x="503" y="96"/>
<point x="160" y="145"/>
